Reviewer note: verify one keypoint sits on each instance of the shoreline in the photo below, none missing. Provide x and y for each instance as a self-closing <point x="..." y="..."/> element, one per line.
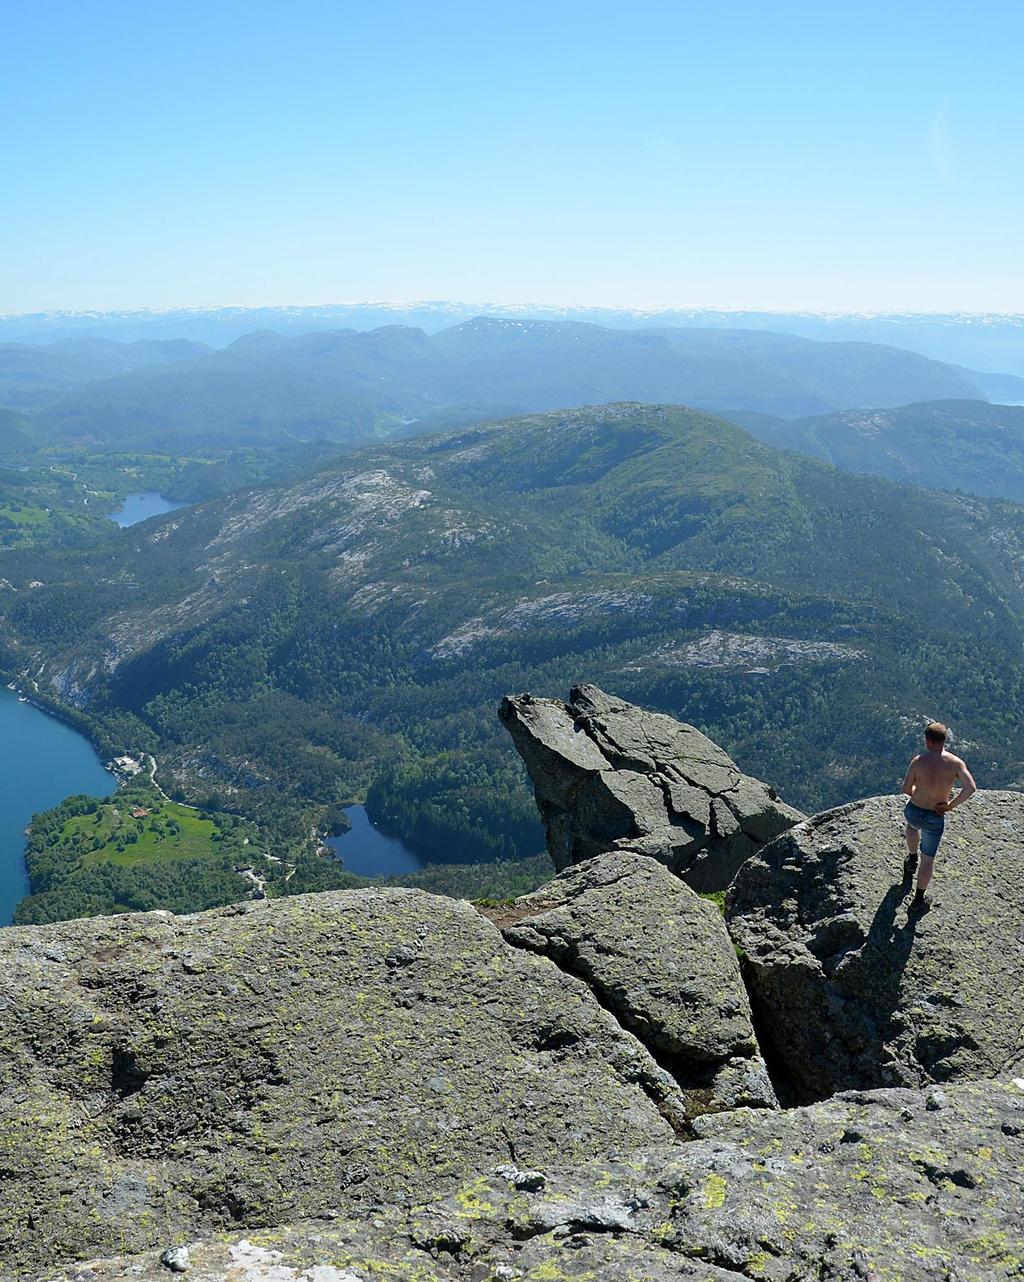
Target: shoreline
<point x="48" y="765"/>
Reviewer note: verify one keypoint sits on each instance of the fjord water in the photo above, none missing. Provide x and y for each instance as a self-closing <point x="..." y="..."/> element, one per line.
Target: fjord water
<point x="365" y="850"/>
<point x="137" y="507"/>
<point x="42" y="761"/>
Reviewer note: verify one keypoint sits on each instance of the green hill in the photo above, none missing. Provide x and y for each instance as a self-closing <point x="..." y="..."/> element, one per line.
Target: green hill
<point x="944" y="445"/>
<point x="287" y="650"/>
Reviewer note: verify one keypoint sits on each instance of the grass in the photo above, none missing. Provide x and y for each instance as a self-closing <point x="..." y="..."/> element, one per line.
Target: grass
<point x="24" y="515"/>
<point x="168" y="832"/>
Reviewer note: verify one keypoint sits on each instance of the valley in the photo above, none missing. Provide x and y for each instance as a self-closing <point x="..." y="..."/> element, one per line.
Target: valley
<point x="288" y="651"/>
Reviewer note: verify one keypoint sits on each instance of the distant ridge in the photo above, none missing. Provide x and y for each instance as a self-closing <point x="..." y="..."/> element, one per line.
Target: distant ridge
<point x="945" y="445"/>
<point x="347" y="384"/>
<point x="989" y="341"/>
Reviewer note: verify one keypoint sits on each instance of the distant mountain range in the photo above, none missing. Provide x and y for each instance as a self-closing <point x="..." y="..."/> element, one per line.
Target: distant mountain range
<point x="33" y="377"/>
<point x="346" y="385"/>
<point x="993" y="343"/>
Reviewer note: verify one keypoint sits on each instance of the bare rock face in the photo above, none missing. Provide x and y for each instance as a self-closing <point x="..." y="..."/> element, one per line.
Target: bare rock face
<point x="162" y="1078"/>
<point x="608" y="775"/>
<point x="876" y="1186"/>
<point x="658" y="957"/>
<point x="857" y="991"/>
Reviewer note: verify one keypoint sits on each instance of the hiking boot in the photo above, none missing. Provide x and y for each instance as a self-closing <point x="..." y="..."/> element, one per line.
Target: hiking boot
<point x="920" y="903"/>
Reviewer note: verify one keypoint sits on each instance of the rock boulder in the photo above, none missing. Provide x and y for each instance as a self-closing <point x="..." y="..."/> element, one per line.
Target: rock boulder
<point x="165" y="1077"/>
<point x="855" y="990"/>
<point x="608" y="775"/>
<point x="658" y="957"/>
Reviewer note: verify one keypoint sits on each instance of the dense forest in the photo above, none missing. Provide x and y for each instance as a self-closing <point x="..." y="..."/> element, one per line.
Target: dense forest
<point x="289" y="650"/>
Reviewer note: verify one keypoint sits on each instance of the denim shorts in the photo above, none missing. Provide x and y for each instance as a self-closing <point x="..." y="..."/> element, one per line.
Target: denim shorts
<point x="928" y="824"/>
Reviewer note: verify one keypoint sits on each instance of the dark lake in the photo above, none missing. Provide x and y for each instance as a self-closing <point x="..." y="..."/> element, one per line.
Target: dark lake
<point x="137" y="507"/>
<point x="42" y="761"/>
<point x="365" y="850"/>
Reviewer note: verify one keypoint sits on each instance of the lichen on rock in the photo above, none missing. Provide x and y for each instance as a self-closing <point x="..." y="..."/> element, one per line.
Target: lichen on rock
<point x="868" y="1187"/>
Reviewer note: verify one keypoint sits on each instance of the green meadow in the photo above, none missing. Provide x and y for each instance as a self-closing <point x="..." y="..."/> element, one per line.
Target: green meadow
<point x="169" y="832"/>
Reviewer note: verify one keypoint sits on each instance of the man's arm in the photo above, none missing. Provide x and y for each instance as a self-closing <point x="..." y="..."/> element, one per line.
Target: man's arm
<point x="967" y="790"/>
<point x="908" y="779"/>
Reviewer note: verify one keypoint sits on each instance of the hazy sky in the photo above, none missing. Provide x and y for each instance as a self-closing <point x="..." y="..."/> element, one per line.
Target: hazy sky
<point x="763" y="154"/>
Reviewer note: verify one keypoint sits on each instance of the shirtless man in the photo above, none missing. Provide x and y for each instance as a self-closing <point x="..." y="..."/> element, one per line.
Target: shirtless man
<point x="929" y="785"/>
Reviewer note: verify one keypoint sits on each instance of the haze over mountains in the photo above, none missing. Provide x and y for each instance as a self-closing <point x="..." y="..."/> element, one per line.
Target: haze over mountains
<point x="987" y="342"/>
<point x="34" y="376"/>
<point x="346" y="385"/>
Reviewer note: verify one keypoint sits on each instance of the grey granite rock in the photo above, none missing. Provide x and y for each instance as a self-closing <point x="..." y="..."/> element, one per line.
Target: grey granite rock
<point x="868" y="1187"/>
<point x="162" y="1077"/>
<point x="856" y="990"/>
<point x="608" y="775"/>
<point x="658" y="957"/>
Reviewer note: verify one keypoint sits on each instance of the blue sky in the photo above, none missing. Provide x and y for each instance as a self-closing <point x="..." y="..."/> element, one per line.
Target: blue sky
<point x="763" y="155"/>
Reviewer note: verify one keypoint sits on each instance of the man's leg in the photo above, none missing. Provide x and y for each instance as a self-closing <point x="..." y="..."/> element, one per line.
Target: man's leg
<point x="913" y="837"/>
<point x="930" y="839"/>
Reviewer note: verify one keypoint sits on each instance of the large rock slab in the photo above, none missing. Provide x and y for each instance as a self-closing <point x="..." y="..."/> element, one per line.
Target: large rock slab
<point x="884" y="1186"/>
<point x="166" y="1077"/>
<point x="395" y="1250"/>
<point x="858" y="992"/>
<point x="608" y="775"/>
<point x="658" y="957"/>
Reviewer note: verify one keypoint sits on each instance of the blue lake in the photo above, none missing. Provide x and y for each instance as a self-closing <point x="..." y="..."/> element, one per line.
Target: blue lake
<point x="138" y="507"/>
<point x="365" y="850"/>
<point x="42" y="761"/>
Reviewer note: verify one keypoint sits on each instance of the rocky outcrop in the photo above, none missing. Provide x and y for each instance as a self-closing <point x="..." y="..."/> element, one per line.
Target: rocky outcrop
<point x="611" y="776"/>
<point x="857" y="991"/>
<point x="868" y="1187"/>
<point x="162" y="1078"/>
<point x="658" y="957"/>
<point x="382" y="1085"/>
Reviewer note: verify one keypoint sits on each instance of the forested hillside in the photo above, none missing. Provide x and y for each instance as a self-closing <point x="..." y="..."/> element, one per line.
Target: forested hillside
<point x="285" y="651"/>
<point x="944" y="445"/>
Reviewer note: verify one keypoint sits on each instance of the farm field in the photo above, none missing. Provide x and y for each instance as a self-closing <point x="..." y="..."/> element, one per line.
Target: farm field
<point x="166" y="831"/>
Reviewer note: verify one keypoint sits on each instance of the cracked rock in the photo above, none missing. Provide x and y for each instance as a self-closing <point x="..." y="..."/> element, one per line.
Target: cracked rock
<point x="608" y="775"/>
<point x="856" y="990"/>
<point x="658" y="957"/>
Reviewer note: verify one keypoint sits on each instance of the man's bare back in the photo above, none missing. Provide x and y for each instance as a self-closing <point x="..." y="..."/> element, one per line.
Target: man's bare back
<point x="930" y="779"/>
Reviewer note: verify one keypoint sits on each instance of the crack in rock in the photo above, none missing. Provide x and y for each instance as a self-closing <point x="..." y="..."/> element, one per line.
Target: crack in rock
<point x="608" y="775"/>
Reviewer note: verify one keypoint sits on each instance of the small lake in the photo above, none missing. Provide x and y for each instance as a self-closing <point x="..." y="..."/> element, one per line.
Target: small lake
<point x="366" y="851"/>
<point x="42" y="761"/>
<point x="139" y="507"/>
